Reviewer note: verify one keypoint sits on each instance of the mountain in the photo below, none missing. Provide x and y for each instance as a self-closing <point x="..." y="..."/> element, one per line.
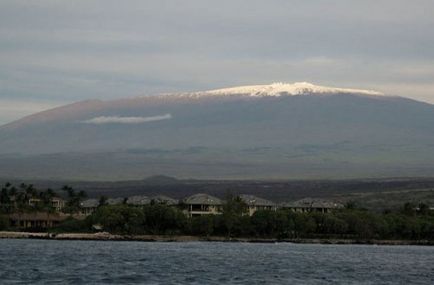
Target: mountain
<point x="279" y="130"/>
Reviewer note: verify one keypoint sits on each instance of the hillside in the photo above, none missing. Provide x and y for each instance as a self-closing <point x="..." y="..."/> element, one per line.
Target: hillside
<point x="268" y="131"/>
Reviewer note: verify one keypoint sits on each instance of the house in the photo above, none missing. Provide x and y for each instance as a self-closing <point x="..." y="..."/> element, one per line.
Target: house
<point x="161" y="199"/>
<point x="202" y="204"/>
<point x="89" y="206"/>
<point x="115" y="201"/>
<point x="138" y="200"/>
<point x="255" y="203"/>
<point x="57" y="203"/>
<point x="34" y="201"/>
<point x="37" y="220"/>
<point x="313" y="205"/>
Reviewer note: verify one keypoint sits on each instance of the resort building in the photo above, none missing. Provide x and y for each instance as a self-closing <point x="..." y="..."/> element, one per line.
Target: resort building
<point x="115" y="201"/>
<point x="255" y="203"/>
<point x="138" y="200"/>
<point x="34" y="201"/>
<point x="202" y="204"/>
<point x="57" y="203"/>
<point x="38" y="220"/>
<point x="89" y="206"/>
<point x="164" y="200"/>
<point x="313" y="205"/>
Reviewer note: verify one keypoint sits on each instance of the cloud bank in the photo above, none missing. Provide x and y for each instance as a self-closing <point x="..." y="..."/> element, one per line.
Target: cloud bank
<point x="126" y="120"/>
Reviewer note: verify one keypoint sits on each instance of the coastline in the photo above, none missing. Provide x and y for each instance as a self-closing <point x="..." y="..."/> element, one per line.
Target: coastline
<point x="103" y="236"/>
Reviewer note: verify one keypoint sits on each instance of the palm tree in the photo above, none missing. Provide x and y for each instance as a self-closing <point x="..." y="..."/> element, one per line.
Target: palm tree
<point x="102" y="201"/>
<point x="12" y="191"/>
<point x="23" y="186"/>
<point x="31" y="191"/>
<point x="46" y="198"/>
<point x="74" y="198"/>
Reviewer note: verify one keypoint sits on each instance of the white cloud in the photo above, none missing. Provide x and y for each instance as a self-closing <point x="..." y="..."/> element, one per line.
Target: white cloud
<point x="126" y="120"/>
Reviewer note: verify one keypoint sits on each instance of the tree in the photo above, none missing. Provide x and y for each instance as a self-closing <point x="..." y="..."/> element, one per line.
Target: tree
<point x="233" y="210"/>
<point x="261" y="222"/>
<point x="5" y="200"/>
<point x="4" y="222"/>
<point x="423" y="209"/>
<point x="74" y="199"/>
<point x="162" y="219"/>
<point x="203" y="225"/>
<point x="102" y="201"/>
<point x="120" y="219"/>
<point x="46" y="199"/>
<point x="351" y="205"/>
<point x="304" y="224"/>
<point x="71" y="225"/>
<point x="408" y="209"/>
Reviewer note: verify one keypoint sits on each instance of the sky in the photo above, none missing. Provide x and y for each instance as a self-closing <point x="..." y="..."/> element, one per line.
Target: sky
<point x="54" y="52"/>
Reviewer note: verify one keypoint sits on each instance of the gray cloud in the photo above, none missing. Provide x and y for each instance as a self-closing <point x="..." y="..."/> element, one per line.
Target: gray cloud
<point x="65" y="51"/>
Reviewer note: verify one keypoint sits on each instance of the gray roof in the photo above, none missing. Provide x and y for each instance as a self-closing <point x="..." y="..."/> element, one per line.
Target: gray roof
<point x="138" y="200"/>
<point x="202" y="199"/>
<point x="313" y="203"/>
<point x="114" y="201"/>
<point x="251" y="200"/>
<point x="161" y="199"/>
<point x="89" y="203"/>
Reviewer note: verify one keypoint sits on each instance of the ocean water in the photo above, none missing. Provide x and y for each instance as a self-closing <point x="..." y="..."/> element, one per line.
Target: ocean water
<point x="106" y="262"/>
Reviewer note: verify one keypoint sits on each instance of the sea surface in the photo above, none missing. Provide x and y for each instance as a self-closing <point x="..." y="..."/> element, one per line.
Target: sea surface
<point x="101" y="262"/>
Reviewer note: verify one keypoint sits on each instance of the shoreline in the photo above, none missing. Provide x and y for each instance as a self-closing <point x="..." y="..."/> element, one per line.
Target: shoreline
<point x="184" y="238"/>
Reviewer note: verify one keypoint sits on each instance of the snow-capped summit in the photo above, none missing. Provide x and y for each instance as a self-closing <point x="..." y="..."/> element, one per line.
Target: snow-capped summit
<point x="240" y="132"/>
<point x="279" y="89"/>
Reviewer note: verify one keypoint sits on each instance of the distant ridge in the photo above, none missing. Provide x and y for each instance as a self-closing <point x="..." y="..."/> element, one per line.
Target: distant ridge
<point x="160" y="179"/>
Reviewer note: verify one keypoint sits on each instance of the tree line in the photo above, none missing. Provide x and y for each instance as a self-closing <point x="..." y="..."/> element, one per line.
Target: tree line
<point x="348" y="223"/>
<point x="16" y="199"/>
<point x="352" y="222"/>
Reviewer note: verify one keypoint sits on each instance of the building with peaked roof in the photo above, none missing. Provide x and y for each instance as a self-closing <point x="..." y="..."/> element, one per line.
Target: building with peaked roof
<point x="36" y="220"/>
<point x="202" y="204"/>
<point x="161" y="199"/>
<point x="138" y="200"/>
<point x="89" y="206"/>
<point x="56" y="202"/>
<point x="115" y="201"/>
<point x="313" y="205"/>
<point x="255" y="203"/>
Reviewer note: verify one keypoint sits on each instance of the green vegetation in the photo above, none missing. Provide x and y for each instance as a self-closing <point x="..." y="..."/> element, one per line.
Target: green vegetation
<point x="74" y="199"/>
<point x="409" y="222"/>
<point x="72" y="225"/>
<point x="4" y="223"/>
<point x="26" y="198"/>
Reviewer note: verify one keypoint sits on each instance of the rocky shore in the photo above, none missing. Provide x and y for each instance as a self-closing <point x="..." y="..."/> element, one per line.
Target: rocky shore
<point x="104" y="236"/>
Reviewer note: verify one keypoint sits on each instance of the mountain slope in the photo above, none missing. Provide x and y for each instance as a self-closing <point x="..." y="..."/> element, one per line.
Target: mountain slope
<point x="262" y="130"/>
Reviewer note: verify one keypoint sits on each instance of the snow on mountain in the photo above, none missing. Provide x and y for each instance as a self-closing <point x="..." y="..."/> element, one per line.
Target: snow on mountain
<point x="240" y="132"/>
<point x="279" y="89"/>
